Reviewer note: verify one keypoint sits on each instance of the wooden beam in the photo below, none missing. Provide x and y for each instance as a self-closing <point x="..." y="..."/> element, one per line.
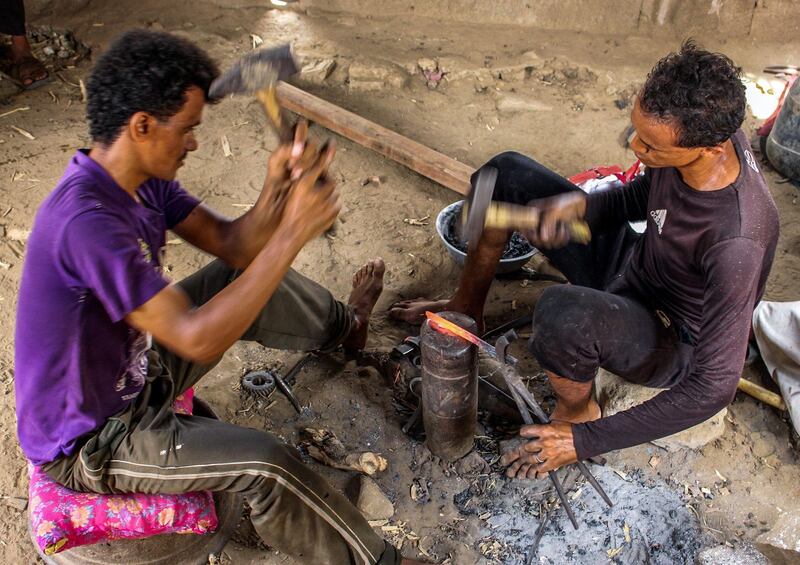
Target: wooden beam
<point x="424" y="160"/>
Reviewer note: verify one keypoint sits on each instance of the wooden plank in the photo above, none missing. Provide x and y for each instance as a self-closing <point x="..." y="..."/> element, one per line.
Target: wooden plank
<point x="429" y="163"/>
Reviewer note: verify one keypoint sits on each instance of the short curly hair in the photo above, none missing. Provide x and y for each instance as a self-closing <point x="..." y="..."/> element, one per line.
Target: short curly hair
<point x="143" y="71"/>
<point x="700" y="92"/>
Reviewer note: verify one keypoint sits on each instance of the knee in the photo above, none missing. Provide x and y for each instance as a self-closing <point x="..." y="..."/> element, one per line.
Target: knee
<point x="518" y="177"/>
<point x="561" y="320"/>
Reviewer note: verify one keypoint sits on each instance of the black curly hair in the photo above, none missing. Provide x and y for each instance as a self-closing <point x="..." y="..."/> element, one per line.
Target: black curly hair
<point x="700" y="92"/>
<point x="143" y="71"/>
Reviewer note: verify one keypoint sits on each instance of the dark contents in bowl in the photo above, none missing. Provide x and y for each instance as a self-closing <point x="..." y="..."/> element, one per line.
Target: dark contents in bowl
<point x="517" y="245"/>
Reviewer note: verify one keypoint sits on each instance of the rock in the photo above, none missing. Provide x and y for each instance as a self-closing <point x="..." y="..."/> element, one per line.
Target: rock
<point x="472" y="464"/>
<point x="16" y="502"/>
<point x="317" y="72"/>
<point x="781" y="544"/>
<point x="724" y="555"/>
<point x="369" y="498"/>
<point x="370" y="75"/>
<point x="426" y="64"/>
<point x="764" y="444"/>
<point x="513" y="103"/>
<point x="616" y="394"/>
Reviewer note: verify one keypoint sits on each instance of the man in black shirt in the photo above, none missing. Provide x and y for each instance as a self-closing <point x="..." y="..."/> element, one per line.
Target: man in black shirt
<point x="670" y="308"/>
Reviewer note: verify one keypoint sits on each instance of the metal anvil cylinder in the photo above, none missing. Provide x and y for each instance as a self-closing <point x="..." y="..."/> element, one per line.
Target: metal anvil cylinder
<point x="449" y="388"/>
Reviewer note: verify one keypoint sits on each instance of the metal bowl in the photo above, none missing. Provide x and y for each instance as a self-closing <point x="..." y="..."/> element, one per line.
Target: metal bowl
<point x="508" y="265"/>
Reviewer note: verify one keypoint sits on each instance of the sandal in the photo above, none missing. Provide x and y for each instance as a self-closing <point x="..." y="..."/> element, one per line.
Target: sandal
<point x="28" y="72"/>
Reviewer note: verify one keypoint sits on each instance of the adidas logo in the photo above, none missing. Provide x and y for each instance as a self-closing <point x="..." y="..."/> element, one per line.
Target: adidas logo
<point x="659" y="217"/>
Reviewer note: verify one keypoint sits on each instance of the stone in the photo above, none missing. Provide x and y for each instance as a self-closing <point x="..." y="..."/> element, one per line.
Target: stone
<point x="764" y="444"/>
<point x="616" y="394"/>
<point x="472" y="464"/>
<point x="724" y="555"/>
<point x="781" y="545"/>
<point x="514" y="103"/>
<point x="370" y="75"/>
<point x="369" y="498"/>
<point x="317" y="72"/>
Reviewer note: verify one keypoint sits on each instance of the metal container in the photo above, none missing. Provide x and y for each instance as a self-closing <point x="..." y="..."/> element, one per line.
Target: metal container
<point x="783" y="143"/>
<point x="449" y="389"/>
<point x="507" y="265"/>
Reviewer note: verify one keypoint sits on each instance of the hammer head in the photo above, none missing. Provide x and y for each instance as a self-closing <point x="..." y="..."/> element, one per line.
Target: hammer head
<point x="258" y="70"/>
<point x="473" y="214"/>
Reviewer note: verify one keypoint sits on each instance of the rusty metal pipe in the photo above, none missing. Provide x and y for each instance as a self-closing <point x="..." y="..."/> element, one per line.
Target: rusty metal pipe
<point x="449" y="389"/>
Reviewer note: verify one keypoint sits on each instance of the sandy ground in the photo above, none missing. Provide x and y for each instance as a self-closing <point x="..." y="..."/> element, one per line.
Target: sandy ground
<point x="574" y="81"/>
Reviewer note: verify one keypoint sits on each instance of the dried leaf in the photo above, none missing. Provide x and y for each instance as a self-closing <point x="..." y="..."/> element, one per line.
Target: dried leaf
<point x="626" y="529"/>
<point x="721" y="476"/>
<point x="83" y="90"/>
<point x="23" y="132"/>
<point x="256" y="39"/>
<point x="226" y="146"/>
<point x="377" y="523"/>
<point x="654" y="461"/>
<point x="612" y="553"/>
<point x="417" y="221"/>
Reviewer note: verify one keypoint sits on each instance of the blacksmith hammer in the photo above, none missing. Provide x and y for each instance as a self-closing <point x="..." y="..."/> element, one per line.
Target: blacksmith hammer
<point x="480" y="211"/>
<point x="258" y="73"/>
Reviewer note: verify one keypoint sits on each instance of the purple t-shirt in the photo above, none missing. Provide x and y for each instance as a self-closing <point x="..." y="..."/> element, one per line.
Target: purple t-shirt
<point x="93" y="257"/>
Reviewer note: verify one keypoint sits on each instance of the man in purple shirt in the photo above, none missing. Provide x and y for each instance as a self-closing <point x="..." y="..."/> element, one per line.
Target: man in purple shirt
<point x="105" y="342"/>
<point x="670" y="308"/>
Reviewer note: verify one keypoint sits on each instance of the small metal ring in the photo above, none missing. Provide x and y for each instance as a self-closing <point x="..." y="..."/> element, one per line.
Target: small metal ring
<point x="259" y="382"/>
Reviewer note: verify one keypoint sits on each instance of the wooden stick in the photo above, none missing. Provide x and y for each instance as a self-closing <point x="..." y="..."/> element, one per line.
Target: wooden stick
<point x="762" y="394"/>
<point x="429" y="163"/>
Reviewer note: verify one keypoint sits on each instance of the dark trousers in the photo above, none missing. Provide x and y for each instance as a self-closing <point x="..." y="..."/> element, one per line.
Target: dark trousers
<point x="595" y="321"/>
<point x="148" y="448"/>
<point x="12" y="17"/>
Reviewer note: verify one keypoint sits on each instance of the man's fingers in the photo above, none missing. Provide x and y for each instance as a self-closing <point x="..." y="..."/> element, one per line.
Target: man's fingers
<point x="299" y="143"/>
<point x="532" y="430"/>
<point x="509" y="457"/>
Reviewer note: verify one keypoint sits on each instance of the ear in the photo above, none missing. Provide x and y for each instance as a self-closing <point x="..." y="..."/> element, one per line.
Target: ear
<point x="140" y="126"/>
<point x="714" y="151"/>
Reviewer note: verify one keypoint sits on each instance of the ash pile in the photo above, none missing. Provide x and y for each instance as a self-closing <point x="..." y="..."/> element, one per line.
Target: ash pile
<point x="649" y="523"/>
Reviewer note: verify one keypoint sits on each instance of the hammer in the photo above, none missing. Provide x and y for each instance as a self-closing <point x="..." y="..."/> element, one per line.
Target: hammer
<point x="480" y="212"/>
<point x="259" y="72"/>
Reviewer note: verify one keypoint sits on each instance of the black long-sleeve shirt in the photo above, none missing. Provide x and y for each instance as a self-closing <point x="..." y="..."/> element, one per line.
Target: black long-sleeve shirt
<point x="704" y="261"/>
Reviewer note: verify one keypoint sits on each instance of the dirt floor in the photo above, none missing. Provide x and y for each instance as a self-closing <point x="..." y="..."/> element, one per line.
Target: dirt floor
<point x="561" y="97"/>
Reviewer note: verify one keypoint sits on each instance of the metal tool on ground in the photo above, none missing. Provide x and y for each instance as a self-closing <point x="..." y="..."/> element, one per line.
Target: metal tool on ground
<point x="262" y="384"/>
<point x="480" y="212"/>
<point x="258" y="73"/>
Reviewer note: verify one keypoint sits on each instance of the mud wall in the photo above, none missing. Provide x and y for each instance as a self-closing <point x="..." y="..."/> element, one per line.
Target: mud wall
<point x="763" y="20"/>
<point x="768" y="20"/>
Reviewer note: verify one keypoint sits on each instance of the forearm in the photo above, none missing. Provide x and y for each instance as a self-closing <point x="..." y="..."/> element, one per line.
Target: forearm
<point x="672" y="411"/>
<point x="243" y="239"/>
<point x="203" y="334"/>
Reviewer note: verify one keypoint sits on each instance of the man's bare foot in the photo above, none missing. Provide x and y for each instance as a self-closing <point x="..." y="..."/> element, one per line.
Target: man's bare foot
<point x="413" y="311"/>
<point x="591" y="413"/>
<point x="367" y="288"/>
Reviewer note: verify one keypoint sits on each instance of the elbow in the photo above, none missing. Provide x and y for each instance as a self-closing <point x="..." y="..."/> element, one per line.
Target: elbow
<point x="200" y="347"/>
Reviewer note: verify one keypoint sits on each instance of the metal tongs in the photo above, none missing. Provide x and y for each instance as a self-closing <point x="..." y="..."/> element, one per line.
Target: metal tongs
<point x="529" y="408"/>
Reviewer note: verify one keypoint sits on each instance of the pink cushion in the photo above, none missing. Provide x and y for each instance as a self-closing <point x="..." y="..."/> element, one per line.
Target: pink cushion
<point x="62" y="519"/>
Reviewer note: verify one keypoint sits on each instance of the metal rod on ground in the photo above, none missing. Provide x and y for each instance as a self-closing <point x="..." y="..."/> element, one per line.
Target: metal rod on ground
<point x="544" y="520"/>
<point x="516" y="383"/>
<point x="526" y="417"/>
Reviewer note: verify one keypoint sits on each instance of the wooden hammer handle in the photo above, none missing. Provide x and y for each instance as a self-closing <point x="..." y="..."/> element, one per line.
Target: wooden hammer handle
<point x="509" y="216"/>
